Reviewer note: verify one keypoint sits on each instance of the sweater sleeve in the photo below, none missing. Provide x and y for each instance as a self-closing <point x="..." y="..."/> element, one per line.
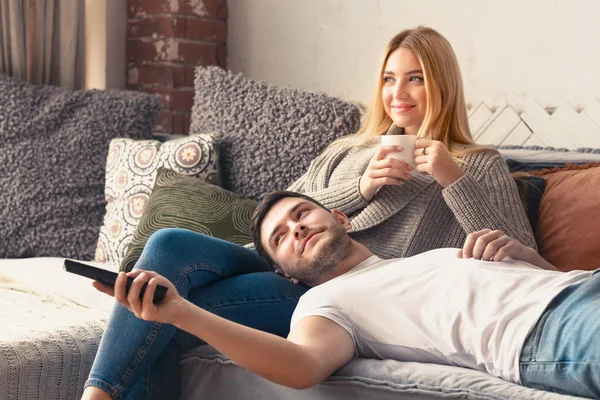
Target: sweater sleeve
<point x="490" y="202"/>
<point x="342" y="194"/>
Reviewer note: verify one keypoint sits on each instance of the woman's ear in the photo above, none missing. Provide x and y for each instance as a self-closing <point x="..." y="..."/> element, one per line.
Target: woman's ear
<point x="342" y="219"/>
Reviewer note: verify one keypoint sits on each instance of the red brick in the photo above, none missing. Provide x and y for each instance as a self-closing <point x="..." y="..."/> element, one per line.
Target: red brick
<point x="181" y="123"/>
<point x="182" y="99"/>
<point x="155" y="74"/>
<point x="204" y="29"/>
<point x="204" y="8"/>
<point x="198" y="53"/>
<point x="156" y="27"/>
<point x="179" y="72"/>
<point x="222" y="56"/>
<point x="190" y="74"/>
<point x="139" y="52"/>
<point x="180" y="26"/>
<point x="164" y="121"/>
<point x="145" y="8"/>
<point x="165" y="93"/>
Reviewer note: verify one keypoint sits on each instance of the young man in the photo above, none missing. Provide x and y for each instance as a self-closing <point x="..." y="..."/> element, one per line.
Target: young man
<point x="517" y="321"/>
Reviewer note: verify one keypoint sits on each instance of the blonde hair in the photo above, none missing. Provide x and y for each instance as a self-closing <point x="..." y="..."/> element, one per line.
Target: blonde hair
<point x="446" y="115"/>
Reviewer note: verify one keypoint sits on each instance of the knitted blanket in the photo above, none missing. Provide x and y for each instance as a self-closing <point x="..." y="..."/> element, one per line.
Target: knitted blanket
<point x="51" y="323"/>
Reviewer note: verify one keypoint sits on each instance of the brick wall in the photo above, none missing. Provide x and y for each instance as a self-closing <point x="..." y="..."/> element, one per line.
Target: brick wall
<point x="166" y="39"/>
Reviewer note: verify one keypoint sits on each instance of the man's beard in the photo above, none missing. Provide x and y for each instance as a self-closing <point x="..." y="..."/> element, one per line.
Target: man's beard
<point x="332" y="253"/>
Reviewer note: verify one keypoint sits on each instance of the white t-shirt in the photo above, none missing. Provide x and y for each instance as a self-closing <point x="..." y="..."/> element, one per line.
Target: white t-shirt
<point x="437" y="308"/>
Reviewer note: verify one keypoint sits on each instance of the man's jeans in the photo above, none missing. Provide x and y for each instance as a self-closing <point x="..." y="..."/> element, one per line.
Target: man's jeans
<point x="562" y="353"/>
<point x="140" y="360"/>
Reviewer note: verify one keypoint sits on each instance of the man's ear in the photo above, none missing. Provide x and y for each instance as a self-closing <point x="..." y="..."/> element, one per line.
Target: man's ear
<point x="279" y="271"/>
<point x="342" y="219"/>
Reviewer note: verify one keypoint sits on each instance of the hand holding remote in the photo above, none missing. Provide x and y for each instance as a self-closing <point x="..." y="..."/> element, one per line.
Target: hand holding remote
<point x="108" y="278"/>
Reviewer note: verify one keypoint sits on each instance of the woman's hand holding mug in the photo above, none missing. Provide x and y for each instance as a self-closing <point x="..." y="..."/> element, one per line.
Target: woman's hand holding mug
<point x="392" y="164"/>
<point x="433" y="158"/>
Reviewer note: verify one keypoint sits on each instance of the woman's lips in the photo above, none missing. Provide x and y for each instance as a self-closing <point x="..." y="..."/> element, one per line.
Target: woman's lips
<point x="402" y="109"/>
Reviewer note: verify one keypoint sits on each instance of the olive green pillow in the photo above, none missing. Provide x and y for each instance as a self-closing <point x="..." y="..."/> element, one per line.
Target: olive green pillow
<point x="179" y="201"/>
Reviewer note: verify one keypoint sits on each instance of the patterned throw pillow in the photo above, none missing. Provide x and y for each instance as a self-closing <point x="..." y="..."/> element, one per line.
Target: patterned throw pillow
<point x="131" y="169"/>
<point x="184" y="202"/>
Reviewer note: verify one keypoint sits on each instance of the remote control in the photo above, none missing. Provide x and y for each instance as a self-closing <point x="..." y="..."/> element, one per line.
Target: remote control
<point x="109" y="277"/>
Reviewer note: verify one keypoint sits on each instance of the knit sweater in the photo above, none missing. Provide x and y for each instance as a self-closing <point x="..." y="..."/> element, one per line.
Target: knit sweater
<point x="418" y="215"/>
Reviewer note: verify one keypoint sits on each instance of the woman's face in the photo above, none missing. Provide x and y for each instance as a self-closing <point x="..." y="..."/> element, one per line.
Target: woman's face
<point x="403" y="92"/>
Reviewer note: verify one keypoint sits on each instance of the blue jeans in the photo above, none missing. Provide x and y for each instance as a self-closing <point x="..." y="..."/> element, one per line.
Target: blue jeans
<point x="140" y="360"/>
<point x="562" y="352"/>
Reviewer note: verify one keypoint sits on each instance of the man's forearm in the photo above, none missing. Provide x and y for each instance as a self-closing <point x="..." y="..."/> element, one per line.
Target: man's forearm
<point x="270" y="356"/>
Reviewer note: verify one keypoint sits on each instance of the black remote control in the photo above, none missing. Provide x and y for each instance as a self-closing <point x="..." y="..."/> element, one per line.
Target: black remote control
<point x="109" y="277"/>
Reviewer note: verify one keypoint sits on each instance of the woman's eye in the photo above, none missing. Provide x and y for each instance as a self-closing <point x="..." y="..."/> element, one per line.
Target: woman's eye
<point x="416" y="79"/>
<point x="301" y="213"/>
<point x="388" y="79"/>
<point x="277" y="239"/>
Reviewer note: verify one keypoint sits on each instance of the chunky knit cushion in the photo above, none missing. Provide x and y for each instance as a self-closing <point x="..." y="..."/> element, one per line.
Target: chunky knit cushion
<point x="270" y="134"/>
<point x="131" y="169"/>
<point x="53" y="147"/>
<point x="179" y="201"/>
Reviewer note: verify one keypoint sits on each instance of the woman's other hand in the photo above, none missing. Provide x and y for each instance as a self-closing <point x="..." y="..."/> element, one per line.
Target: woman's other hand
<point x="383" y="170"/>
<point x="494" y="245"/>
<point x="433" y="158"/>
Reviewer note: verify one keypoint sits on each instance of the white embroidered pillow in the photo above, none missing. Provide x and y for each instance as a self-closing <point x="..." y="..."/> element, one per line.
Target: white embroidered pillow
<point x="131" y="168"/>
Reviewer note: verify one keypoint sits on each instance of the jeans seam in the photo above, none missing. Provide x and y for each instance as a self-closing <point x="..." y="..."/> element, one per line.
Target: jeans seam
<point x="537" y="338"/>
<point x="193" y="268"/>
<point x="105" y="386"/>
<point x="250" y="302"/>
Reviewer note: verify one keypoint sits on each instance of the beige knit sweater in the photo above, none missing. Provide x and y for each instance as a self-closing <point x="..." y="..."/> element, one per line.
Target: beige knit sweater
<point x="419" y="215"/>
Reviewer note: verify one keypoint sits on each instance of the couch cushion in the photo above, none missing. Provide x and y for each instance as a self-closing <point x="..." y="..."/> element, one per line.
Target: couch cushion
<point x="270" y="134"/>
<point x="131" y="169"/>
<point x="185" y="202"/>
<point x="205" y="371"/>
<point x="569" y="218"/>
<point x="53" y="146"/>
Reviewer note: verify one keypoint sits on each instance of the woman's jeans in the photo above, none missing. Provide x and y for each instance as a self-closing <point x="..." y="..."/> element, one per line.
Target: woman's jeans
<point x="138" y="359"/>
<point x="562" y="353"/>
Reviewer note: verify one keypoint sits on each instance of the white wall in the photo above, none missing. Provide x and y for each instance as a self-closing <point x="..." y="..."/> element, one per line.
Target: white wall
<point x="510" y="50"/>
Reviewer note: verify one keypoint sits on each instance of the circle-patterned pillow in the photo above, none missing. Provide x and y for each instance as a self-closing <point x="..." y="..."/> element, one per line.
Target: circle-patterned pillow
<point x="131" y="168"/>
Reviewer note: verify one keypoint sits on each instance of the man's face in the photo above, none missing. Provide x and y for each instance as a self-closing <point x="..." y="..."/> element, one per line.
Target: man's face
<point x="303" y="239"/>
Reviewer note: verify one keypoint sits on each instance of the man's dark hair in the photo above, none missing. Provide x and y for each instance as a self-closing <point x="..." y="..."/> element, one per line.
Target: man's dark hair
<point x="263" y="208"/>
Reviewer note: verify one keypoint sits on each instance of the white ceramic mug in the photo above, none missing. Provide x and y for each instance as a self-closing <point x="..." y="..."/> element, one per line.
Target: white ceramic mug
<point x="407" y="142"/>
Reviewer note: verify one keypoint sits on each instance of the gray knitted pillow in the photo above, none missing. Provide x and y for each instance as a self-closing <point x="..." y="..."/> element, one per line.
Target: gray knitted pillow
<point x="270" y="134"/>
<point x="53" y="148"/>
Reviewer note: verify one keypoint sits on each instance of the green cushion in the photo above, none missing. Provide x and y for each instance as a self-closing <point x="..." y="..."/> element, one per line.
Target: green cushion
<point x="179" y="201"/>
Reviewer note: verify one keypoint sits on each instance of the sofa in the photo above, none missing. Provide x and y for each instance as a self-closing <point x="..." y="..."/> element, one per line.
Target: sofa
<point x="85" y="178"/>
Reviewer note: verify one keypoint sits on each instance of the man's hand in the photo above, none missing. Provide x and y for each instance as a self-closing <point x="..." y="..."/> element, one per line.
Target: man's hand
<point x="489" y="245"/>
<point x="383" y="170"/>
<point x="433" y="158"/>
<point x="169" y="310"/>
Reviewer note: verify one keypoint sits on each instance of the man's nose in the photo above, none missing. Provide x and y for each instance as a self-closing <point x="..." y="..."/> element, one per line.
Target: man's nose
<point x="299" y="231"/>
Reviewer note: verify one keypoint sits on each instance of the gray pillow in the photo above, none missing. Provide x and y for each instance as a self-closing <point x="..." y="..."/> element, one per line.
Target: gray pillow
<point x="53" y="148"/>
<point x="270" y="134"/>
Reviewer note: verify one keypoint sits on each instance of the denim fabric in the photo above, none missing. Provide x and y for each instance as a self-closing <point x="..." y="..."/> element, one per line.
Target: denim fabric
<point x="140" y="360"/>
<point x="562" y="352"/>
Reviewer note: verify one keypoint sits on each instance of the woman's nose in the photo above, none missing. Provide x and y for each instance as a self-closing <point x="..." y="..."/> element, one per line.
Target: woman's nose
<point x="400" y="92"/>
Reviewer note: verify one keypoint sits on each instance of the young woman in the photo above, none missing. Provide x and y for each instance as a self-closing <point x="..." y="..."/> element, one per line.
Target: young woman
<point x="457" y="188"/>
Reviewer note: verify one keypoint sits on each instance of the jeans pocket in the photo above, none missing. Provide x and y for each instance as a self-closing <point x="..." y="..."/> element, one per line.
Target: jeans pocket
<point x="533" y="340"/>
